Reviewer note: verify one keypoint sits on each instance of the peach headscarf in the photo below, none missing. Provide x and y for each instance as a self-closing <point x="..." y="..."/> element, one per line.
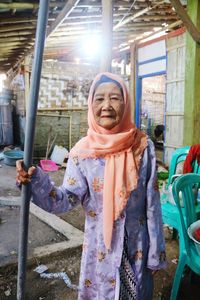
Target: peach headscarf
<point x="122" y="147"/>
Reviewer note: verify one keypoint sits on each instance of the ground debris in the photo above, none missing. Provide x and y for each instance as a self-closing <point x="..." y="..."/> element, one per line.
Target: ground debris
<point x="175" y="261"/>
<point x="41" y="269"/>
<point x="8" y="292"/>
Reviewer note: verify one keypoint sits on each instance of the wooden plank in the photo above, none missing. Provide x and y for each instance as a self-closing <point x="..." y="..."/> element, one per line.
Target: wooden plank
<point x="170" y="114"/>
<point x="27" y="5"/>
<point x="143" y="39"/>
<point x="16" y="28"/>
<point x="12" y="39"/>
<point x="16" y="5"/>
<point x="71" y="4"/>
<point x="181" y="12"/>
<point x="136" y="15"/>
<point x="17" y="33"/>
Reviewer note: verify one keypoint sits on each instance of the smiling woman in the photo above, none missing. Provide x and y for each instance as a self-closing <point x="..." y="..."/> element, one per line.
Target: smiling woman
<point x="112" y="173"/>
<point x="108" y="104"/>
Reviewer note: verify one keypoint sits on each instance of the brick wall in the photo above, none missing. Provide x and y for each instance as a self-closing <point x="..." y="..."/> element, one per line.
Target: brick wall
<point x="63" y="86"/>
<point x="60" y="124"/>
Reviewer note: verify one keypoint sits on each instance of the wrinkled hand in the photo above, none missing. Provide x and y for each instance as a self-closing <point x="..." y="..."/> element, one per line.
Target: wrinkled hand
<point x="23" y="177"/>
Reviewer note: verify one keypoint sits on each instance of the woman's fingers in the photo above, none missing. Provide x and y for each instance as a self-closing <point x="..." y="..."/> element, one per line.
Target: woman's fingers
<point x="31" y="170"/>
<point x="23" y="180"/>
<point x="19" y="164"/>
<point x="23" y="177"/>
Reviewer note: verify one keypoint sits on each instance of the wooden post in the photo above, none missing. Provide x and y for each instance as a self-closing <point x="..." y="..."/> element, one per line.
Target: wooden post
<point x="192" y="29"/>
<point x="107" y="29"/>
<point x="132" y="84"/>
<point x="192" y="81"/>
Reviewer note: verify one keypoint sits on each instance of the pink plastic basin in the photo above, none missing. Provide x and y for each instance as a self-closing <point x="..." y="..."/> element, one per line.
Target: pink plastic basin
<point x="48" y="165"/>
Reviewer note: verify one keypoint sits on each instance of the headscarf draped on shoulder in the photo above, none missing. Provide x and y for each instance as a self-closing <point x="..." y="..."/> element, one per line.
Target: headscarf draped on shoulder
<point x="122" y="147"/>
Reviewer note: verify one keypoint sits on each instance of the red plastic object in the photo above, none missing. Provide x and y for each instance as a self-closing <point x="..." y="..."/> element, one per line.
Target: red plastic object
<point x="48" y="165"/>
<point x="197" y="234"/>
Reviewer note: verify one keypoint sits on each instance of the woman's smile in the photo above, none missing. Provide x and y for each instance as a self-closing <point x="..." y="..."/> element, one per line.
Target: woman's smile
<point x="108" y="105"/>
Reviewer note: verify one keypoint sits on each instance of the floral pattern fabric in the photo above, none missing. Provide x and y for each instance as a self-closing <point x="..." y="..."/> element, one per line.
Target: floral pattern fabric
<point x="83" y="183"/>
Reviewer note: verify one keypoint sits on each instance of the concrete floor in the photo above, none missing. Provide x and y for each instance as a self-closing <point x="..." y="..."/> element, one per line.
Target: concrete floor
<point x="54" y="232"/>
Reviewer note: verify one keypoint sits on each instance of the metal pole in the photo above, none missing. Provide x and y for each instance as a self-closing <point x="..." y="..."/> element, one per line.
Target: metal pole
<point x="29" y="140"/>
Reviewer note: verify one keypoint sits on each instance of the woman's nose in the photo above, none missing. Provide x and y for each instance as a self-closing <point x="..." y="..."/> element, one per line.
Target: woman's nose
<point x="106" y="103"/>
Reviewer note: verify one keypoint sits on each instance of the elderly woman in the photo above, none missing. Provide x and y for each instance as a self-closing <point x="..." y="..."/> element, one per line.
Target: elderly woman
<point x="112" y="173"/>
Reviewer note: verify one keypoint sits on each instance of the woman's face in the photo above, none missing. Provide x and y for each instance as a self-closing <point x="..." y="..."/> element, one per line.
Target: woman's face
<point x="108" y="105"/>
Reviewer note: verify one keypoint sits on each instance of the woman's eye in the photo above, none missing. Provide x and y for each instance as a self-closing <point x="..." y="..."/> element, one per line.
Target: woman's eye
<point x="99" y="99"/>
<point x="114" y="98"/>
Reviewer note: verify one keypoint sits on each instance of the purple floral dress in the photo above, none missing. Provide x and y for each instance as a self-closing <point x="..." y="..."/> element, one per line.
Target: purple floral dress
<point x="83" y="183"/>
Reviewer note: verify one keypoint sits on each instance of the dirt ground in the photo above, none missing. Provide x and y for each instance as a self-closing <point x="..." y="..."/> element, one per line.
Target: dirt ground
<point x="54" y="289"/>
<point x="69" y="262"/>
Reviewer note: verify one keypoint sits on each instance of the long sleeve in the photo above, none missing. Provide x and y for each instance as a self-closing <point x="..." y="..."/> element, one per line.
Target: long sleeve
<point x="156" y="255"/>
<point x="59" y="199"/>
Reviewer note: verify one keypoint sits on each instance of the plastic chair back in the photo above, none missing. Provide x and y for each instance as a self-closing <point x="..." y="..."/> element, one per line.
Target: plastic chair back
<point x="185" y="187"/>
<point x="178" y="156"/>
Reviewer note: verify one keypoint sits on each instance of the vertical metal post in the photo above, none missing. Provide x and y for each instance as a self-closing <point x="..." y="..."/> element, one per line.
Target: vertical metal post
<point x="29" y="140"/>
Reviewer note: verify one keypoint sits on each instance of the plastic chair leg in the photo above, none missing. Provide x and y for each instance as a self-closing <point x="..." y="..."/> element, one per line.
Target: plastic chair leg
<point x="177" y="278"/>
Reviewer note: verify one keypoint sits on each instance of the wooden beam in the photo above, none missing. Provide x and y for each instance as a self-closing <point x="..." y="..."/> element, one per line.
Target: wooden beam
<point x="192" y="80"/>
<point x="61" y="17"/>
<point x="26" y="5"/>
<point x="161" y="31"/>
<point x="18" y="33"/>
<point x="159" y="18"/>
<point x="71" y="4"/>
<point x="11" y="44"/>
<point x="16" y="5"/>
<point x="12" y="39"/>
<point x="16" y="28"/>
<point x="181" y="12"/>
<point x="23" y="17"/>
<point x="136" y="15"/>
<point x="107" y="25"/>
<point x="15" y="20"/>
<point x="115" y="4"/>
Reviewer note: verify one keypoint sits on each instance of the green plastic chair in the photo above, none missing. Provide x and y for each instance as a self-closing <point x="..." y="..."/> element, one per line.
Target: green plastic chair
<point x="170" y="213"/>
<point x="187" y="252"/>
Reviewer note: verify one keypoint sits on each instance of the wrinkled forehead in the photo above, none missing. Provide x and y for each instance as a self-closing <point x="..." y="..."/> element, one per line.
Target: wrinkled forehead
<point x="108" y="88"/>
<point x="104" y="82"/>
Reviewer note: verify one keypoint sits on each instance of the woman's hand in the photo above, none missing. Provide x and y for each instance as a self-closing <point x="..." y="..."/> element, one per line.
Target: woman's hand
<point x="23" y="177"/>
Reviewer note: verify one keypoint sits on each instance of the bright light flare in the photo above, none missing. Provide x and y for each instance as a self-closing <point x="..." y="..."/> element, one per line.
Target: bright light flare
<point x="92" y="46"/>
